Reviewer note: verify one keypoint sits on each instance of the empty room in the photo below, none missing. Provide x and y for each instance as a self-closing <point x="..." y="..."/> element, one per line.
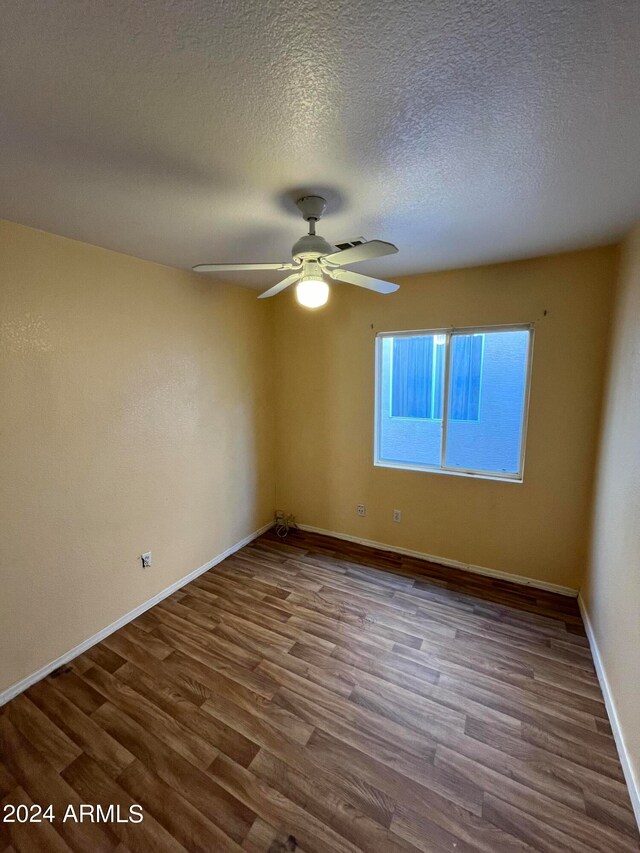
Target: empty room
<point x="320" y="426"/>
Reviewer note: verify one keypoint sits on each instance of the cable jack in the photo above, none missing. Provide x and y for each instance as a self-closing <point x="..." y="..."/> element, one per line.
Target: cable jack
<point x="284" y="523"/>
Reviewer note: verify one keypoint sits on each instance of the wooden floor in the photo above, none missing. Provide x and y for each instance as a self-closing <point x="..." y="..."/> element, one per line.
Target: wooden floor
<point x="312" y="695"/>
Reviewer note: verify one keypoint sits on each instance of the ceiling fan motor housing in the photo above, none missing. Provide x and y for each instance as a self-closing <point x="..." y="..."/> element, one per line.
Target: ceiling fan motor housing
<point x="311" y="246"/>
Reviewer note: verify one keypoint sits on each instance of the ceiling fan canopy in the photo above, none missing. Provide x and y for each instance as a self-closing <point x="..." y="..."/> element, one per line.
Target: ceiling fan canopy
<point x="313" y="259"/>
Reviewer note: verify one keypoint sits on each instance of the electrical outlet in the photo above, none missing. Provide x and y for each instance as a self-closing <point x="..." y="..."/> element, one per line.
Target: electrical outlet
<point x="397" y="515"/>
<point x="362" y="510"/>
<point x="146" y="559"/>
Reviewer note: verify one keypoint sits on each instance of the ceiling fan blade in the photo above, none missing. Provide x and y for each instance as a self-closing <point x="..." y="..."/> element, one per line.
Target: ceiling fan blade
<point x="363" y="252"/>
<point x="229" y="267"/>
<point x="279" y="286"/>
<point x="356" y="278"/>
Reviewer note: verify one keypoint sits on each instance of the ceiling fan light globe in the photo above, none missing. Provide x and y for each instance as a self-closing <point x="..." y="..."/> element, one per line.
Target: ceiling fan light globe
<point x="312" y="292"/>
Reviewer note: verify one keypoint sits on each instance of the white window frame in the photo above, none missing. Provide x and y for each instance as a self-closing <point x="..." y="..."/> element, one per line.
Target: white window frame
<point x="442" y="468"/>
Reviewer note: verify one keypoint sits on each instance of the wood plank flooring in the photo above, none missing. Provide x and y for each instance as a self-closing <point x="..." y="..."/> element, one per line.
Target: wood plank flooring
<point x="311" y="695"/>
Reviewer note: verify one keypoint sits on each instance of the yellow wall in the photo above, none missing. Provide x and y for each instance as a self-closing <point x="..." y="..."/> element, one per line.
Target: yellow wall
<point x="135" y="415"/>
<point x="611" y="593"/>
<point x="324" y="385"/>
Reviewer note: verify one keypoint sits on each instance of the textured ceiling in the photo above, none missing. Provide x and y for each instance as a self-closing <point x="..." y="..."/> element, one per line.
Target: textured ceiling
<point x="465" y="132"/>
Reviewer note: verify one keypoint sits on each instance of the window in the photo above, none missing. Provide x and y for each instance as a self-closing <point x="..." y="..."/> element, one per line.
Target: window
<point x="453" y="400"/>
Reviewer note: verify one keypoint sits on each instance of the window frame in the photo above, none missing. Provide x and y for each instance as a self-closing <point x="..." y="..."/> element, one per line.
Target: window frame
<point x="442" y="468"/>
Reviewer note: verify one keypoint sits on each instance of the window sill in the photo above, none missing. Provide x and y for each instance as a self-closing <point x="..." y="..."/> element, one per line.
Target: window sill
<point x="500" y="478"/>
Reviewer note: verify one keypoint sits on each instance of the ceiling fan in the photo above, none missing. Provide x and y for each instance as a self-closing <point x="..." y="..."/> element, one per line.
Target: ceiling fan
<point x="313" y="259"/>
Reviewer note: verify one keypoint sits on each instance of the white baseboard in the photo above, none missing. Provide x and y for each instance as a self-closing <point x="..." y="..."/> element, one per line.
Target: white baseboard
<point x="15" y="689"/>
<point x="633" y="784"/>
<point x="445" y="561"/>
